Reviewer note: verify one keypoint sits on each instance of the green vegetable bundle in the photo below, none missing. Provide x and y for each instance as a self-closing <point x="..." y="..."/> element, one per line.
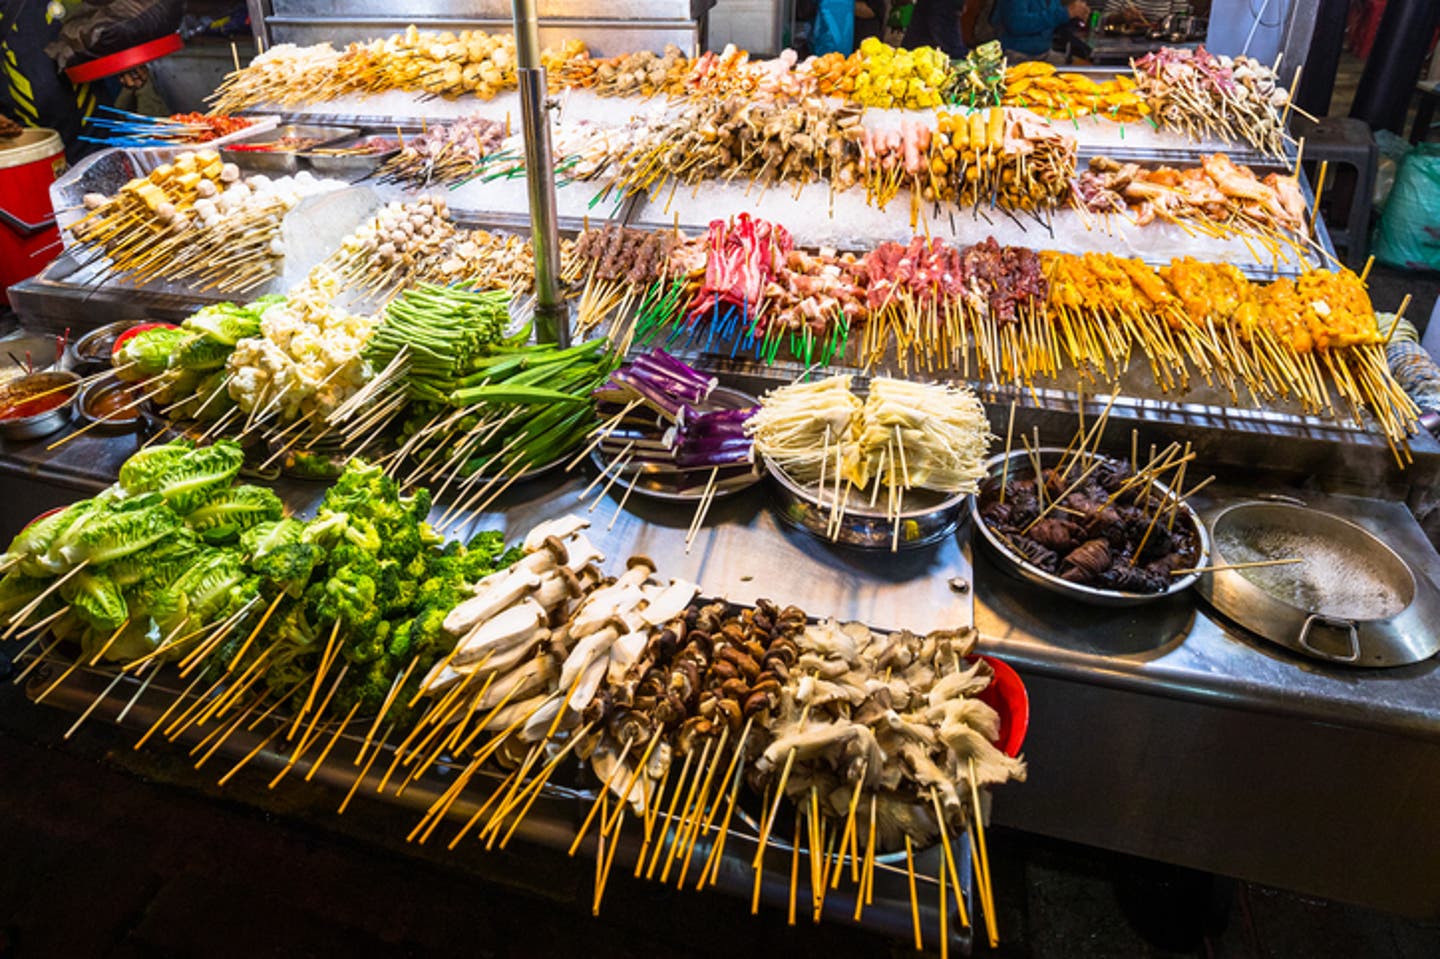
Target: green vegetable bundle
<point x="192" y="358"/>
<point x="176" y="553"/>
<point x="524" y="406"/>
<point x="444" y="329"/>
<point x="369" y="571"/>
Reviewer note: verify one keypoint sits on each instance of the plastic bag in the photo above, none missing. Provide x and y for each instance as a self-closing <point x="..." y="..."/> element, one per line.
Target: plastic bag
<point x="834" y="27"/>
<point x="1408" y="236"/>
<point x="1392" y="153"/>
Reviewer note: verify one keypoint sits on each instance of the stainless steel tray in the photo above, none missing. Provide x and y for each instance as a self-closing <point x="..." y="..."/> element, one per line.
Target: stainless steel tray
<point x="926" y="517"/>
<point x="283" y="161"/>
<point x="351" y="165"/>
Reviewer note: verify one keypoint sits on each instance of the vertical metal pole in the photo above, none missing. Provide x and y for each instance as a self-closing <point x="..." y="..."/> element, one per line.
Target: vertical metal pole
<point x="552" y="316"/>
<point x="259" y="11"/>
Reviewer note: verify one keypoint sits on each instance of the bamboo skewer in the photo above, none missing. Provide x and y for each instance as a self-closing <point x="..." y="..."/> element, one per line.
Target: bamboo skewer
<point x="982" y="861"/>
<point x="1222" y="567"/>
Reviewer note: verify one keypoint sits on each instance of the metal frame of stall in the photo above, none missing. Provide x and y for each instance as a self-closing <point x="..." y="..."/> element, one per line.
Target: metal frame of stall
<point x="1160" y="731"/>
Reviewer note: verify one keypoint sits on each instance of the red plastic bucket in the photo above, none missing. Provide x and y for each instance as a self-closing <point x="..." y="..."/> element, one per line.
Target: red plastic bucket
<point x="29" y="163"/>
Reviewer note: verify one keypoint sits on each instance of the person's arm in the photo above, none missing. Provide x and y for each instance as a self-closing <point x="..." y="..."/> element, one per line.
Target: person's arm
<point x="1023" y="17"/>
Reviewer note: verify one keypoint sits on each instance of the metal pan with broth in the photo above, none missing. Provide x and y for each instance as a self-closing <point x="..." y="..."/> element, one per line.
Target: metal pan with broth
<point x="1353" y="601"/>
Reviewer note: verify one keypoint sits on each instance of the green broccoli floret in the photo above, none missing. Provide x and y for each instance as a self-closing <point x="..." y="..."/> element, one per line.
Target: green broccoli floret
<point x="369" y="687"/>
<point x="368" y="644"/>
<point x="394" y="590"/>
<point x="241" y="594"/>
<point x="363" y="534"/>
<point x="331" y="528"/>
<point x="490" y="542"/>
<point x="439" y="592"/>
<point x="291" y="626"/>
<point x="289" y="566"/>
<point x="361" y="485"/>
<point x="349" y="596"/>
<point x="417" y="505"/>
<point x="428" y="631"/>
<point x="349" y="555"/>
<point x="401" y="541"/>
<point x="401" y="641"/>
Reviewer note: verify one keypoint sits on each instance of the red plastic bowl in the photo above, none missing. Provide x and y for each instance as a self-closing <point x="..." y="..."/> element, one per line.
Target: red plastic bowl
<point x="135" y="331"/>
<point x="49" y="512"/>
<point x="1007" y="696"/>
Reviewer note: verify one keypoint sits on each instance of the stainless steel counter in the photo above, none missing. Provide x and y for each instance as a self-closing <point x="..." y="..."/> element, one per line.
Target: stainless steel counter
<point x="1160" y="731"/>
<point x="1169" y="733"/>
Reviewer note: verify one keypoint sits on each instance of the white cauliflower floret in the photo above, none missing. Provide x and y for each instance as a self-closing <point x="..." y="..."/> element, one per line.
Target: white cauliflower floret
<point x="279" y="324"/>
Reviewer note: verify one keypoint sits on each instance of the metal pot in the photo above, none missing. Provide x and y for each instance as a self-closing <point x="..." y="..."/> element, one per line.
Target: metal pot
<point x="1022" y="569"/>
<point x="1354" y="601"/>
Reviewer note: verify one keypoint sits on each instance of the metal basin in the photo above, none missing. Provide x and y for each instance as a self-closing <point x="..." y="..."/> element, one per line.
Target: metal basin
<point x="1017" y="566"/>
<point x="283" y="161"/>
<point x="39" y="385"/>
<point x="925" y="516"/>
<point x="1353" y="601"/>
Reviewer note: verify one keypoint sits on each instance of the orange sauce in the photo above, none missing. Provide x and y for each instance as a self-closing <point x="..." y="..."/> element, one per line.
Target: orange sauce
<point x="23" y="407"/>
<point x="111" y="402"/>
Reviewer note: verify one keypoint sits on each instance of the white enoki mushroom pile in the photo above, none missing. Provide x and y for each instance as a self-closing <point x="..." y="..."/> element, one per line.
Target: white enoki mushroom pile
<point x="904" y="435"/>
<point x="306" y="362"/>
<point x="196" y="219"/>
<point x="801" y="426"/>
<point x="894" y="715"/>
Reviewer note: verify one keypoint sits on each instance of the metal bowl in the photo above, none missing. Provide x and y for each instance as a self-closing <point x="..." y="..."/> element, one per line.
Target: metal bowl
<point x="96" y="392"/>
<point x="348" y="166"/>
<point x="1353" y="602"/>
<point x="1022" y="569"/>
<point x="926" y="516"/>
<point x="91" y="352"/>
<point x="40" y="424"/>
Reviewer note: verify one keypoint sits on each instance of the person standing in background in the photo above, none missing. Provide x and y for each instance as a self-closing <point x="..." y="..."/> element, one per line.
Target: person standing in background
<point x="33" y="91"/>
<point x="936" y="23"/>
<point x="1027" y="27"/>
